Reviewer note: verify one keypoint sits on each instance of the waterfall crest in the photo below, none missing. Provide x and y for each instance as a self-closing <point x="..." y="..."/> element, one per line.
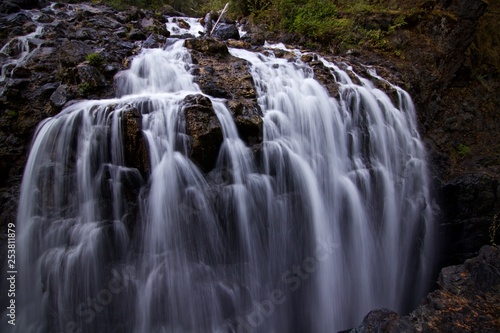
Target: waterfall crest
<point x="331" y="220"/>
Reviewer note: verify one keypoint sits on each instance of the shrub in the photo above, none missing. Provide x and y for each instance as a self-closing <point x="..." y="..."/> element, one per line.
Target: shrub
<point x="95" y="59"/>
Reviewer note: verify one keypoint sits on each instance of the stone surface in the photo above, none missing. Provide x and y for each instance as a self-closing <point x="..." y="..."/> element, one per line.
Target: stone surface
<point x="468" y="300"/>
<point x="226" y="31"/>
<point x="204" y="129"/>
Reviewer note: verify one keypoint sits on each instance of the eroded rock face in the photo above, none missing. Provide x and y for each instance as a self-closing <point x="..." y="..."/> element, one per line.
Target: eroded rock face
<point x="228" y="77"/>
<point x="203" y="126"/>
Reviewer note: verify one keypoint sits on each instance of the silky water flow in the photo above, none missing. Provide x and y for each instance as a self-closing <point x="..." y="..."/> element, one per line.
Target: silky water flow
<point x="332" y="219"/>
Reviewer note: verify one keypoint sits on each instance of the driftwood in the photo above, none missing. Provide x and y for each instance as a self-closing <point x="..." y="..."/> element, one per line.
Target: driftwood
<point x="220" y="16"/>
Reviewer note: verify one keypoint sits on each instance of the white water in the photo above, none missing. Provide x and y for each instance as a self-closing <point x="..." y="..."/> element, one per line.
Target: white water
<point x="18" y="51"/>
<point x="331" y="221"/>
<point x="195" y="28"/>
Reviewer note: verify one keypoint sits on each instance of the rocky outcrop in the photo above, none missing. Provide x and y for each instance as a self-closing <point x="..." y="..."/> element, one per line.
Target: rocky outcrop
<point x="204" y="129"/>
<point x="75" y="56"/>
<point x="221" y="75"/>
<point x="468" y="300"/>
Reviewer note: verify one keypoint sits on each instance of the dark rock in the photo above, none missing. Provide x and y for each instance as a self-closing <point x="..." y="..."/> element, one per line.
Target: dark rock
<point x="383" y="320"/>
<point x="136" y="34"/>
<point x="86" y="34"/>
<point x="226" y="31"/>
<point x="47" y="89"/>
<point x="73" y="52"/>
<point x="44" y="18"/>
<point x="469" y="203"/>
<point x="60" y="96"/>
<point x="134" y="144"/>
<point x="153" y="41"/>
<point x="21" y="72"/>
<point x="468" y="299"/>
<point x="26" y="4"/>
<point x="7" y="7"/>
<point x="91" y="76"/>
<point x="183" y="24"/>
<point x="203" y="126"/>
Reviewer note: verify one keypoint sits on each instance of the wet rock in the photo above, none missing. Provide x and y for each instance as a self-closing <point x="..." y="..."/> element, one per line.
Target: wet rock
<point x="208" y="46"/>
<point x="183" y="24"/>
<point x="90" y="76"/>
<point x="134" y="144"/>
<point x="136" y="34"/>
<point x="226" y="31"/>
<point x="26" y="4"/>
<point x="154" y="41"/>
<point x="60" y="96"/>
<point x="74" y="52"/>
<point x="204" y="129"/>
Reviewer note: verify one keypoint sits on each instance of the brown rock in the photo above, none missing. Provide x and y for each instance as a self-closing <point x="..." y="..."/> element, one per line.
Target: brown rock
<point x="203" y="126"/>
<point x="134" y="144"/>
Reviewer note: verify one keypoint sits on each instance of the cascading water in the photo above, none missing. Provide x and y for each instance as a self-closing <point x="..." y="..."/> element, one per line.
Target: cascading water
<point x="332" y="220"/>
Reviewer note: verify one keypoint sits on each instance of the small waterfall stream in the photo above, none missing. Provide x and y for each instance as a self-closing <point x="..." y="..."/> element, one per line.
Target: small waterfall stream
<point x="332" y="219"/>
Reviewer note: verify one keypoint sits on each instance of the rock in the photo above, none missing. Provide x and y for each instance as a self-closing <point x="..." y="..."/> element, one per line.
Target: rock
<point x="226" y="31"/>
<point x="7" y="7"/>
<point x="203" y="126"/>
<point x="90" y="76"/>
<point x="60" y="96"/>
<point x="469" y="203"/>
<point x="468" y="298"/>
<point x="73" y="52"/>
<point x="134" y="144"/>
<point x="154" y="41"/>
<point x="183" y="24"/>
<point x="250" y="128"/>
<point x="238" y="44"/>
<point x="208" y="46"/>
<point x="383" y="320"/>
<point x="136" y="34"/>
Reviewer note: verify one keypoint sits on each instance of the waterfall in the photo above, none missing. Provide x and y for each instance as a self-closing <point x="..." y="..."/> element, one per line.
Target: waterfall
<point x="331" y="220"/>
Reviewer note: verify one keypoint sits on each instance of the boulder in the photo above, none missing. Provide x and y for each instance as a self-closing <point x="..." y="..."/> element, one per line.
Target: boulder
<point x="226" y="31"/>
<point x="134" y="144"/>
<point x="209" y="46"/>
<point x="204" y="129"/>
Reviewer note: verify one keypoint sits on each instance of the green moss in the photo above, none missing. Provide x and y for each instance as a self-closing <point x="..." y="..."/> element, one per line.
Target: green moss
<point x="95" y="59"/>
<point x="462" y="150"/>
<point x="84" y="88"/>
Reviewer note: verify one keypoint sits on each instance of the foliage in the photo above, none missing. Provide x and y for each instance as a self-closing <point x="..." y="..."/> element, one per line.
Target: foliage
<point x="462" y="150"/>
<point x="316" y="19"/>
<point x="94" y="59"/>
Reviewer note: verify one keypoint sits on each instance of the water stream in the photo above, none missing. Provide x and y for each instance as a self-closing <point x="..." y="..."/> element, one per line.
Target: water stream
<point x="332" y="219"/>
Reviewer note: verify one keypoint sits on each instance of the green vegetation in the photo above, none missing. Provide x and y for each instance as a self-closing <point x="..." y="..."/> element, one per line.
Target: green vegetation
<point x="95" y="59"/>
<point x="462" y="150"/>
<point x="84" y="88"/>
